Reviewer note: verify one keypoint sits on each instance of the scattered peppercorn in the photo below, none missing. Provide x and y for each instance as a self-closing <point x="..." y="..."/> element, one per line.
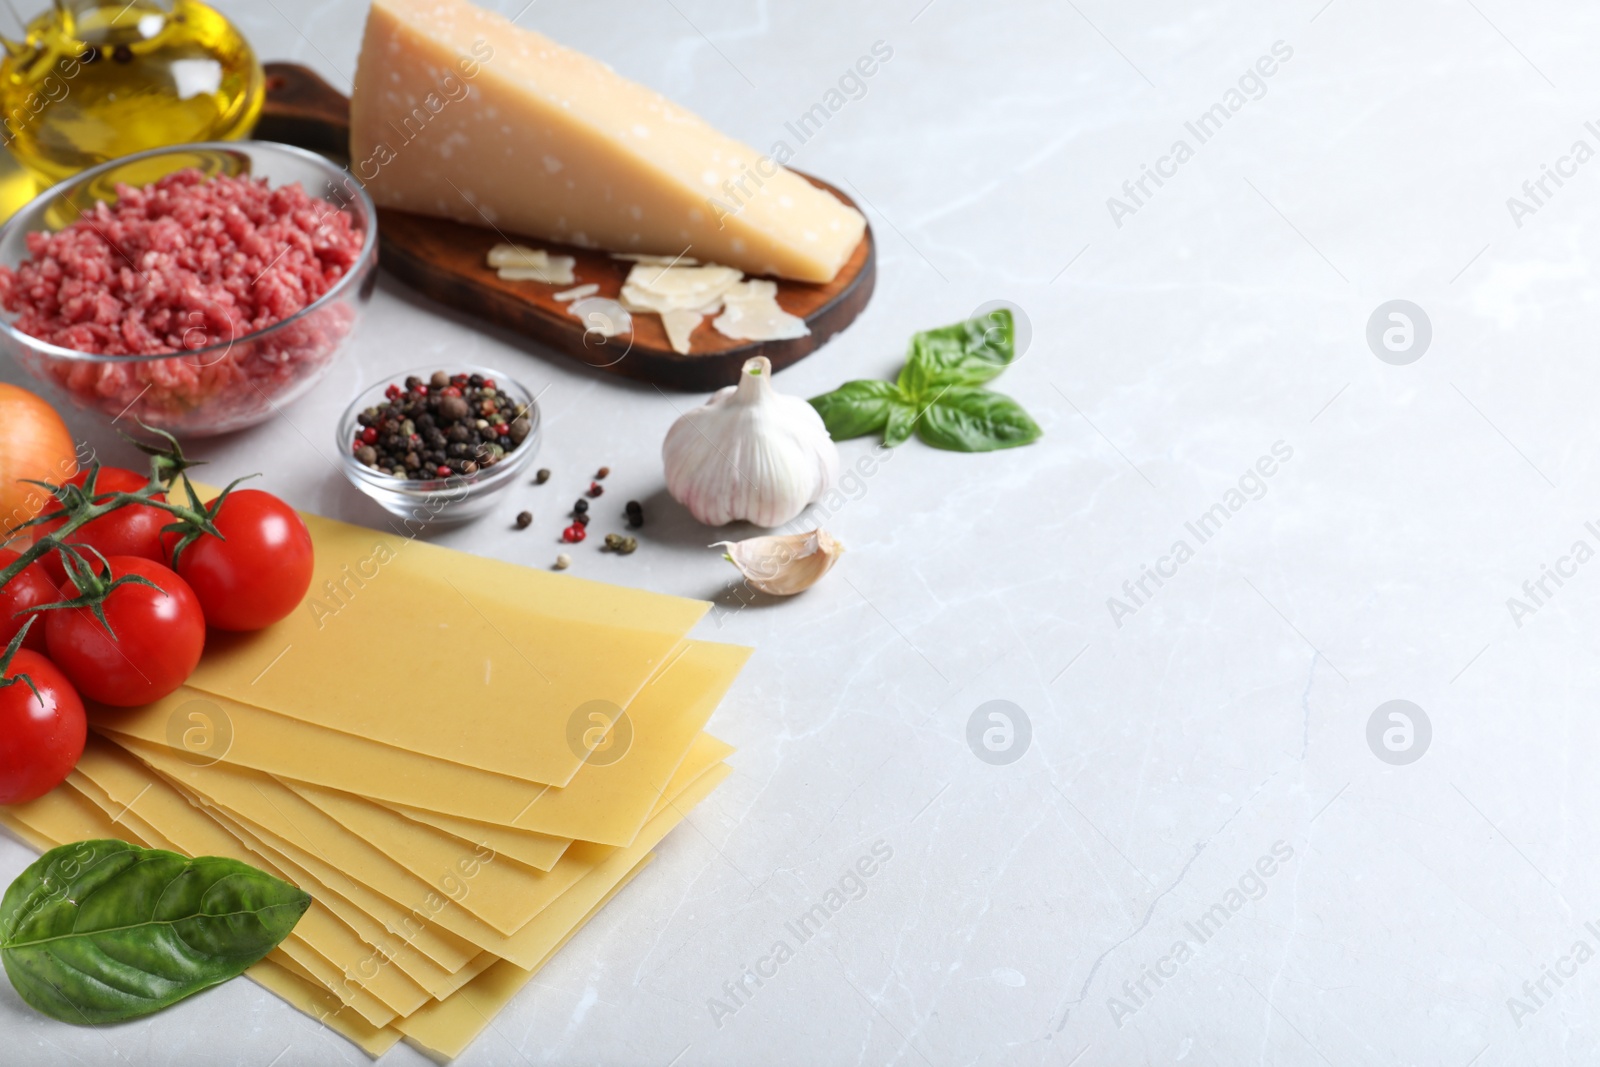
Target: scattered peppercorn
<point x="574" y="533"/>
<point x="524" y="520"/>
<point x="435" y="428"/>
<point x="580" y="506"/>
<point x="602" y="472"/>
<point x="635" y="513"/>
<point x="619" y="544"/>
<point x="595" y="489"/>
<point x="542" y="477"/>
<point x="563" y="561"/>
<point x="581" y="518"/>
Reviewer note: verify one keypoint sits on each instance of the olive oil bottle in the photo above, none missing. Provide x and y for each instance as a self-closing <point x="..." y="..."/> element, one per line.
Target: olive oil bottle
<point x="90" y="81"/>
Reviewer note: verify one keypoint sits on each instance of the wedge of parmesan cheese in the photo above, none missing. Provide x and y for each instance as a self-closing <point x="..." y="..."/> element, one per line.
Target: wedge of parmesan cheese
<point x="459" y="113"/>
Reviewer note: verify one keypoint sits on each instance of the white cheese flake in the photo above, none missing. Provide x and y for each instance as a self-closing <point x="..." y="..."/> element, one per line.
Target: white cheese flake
<point x="664" y="288"/>
<point x="679" y="325"/>
<point x="751" y="313"/>
<point x="604" y="317"/>
<point x="510" y="255"/>
<point x="578" y="293"/>
<point x="518" y="263"/>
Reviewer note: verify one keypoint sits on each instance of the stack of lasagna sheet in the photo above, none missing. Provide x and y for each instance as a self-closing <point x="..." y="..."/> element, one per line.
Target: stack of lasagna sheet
<point x="461" y="760"/>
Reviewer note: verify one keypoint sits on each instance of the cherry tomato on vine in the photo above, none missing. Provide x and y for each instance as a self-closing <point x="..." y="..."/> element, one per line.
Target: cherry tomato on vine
<point x="159" y="637"/>
<point x="258" y="572"/>
<point x="28" y="589"/>
<point x="134" y="530"/>
<point x="41" y="737"/>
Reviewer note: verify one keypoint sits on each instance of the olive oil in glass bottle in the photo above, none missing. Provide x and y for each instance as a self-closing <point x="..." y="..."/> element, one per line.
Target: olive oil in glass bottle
<point x="90" y="81"/>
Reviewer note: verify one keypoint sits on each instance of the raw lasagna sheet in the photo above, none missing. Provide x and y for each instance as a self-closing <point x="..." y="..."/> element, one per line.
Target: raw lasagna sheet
<point x="175" y="824"/>
<point x="72" y="821"/>
<point x="521" y="648"/>
<point x="447" y="1028"/>
<point x="289" y="825"/>
<point x="307" y="997"/>
<point x="65" y="815"/>
<point x="536" y="850"/>
<point x="141" y="797"/>
<point x="605" y="802"/>
<point x="442" y="1028"/>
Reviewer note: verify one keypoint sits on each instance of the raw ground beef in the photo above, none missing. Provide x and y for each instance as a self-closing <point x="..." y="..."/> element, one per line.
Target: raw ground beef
<point x="183" y="264"/>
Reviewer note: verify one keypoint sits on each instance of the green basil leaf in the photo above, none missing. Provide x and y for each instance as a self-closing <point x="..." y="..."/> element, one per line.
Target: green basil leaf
<point x="976" y="420"/>
<point x="104" y="931"/>
<point x="902" y="420"/>
<point x="964" y="354"/>
<point x="856" y="408"/>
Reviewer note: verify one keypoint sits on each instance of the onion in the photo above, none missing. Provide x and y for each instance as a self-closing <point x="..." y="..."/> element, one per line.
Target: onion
<point x="34" y="444"/>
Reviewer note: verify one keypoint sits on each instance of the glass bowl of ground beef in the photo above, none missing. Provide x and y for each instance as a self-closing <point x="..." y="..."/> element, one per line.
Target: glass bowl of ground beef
<point x="198" y="288"/>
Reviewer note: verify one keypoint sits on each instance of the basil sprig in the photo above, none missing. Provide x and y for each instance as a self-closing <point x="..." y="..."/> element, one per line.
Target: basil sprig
<point x="939" y="393"/>
<point x="105" y="931"/>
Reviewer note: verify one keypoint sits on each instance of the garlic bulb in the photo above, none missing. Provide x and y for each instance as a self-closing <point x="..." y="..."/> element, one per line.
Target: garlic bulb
<point x="749" y="453"/>
<point x="784" y="566"/>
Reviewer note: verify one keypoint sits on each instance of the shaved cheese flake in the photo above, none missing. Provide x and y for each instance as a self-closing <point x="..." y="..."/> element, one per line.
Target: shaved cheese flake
<point x="601" y="316"/>
<point x="637" y="299"/>
<point x="697" y="283"/>
<point x="556" y="271"/>
<point x="510" y="255"/>
<point x="577" y="294"/>
<point x="754" y="289"/>
<point x="752" y="314"/>
<point x="679" y="325"/>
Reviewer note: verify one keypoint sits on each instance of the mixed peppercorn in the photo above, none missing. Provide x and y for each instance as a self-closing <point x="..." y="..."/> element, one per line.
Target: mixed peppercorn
<point x="633" y="511"/>
<point x="448" y="425"/>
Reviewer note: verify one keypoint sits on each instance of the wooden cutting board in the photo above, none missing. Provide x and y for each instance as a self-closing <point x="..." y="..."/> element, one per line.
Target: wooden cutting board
<point x="448" y="261"/>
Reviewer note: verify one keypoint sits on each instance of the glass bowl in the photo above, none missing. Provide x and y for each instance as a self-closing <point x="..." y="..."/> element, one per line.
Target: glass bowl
<point x="438" y="501"/>
<point x="220" y="387"/>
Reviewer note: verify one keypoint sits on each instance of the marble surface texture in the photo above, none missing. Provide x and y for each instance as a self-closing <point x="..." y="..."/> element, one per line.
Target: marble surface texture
<point x="1211" y="847"/>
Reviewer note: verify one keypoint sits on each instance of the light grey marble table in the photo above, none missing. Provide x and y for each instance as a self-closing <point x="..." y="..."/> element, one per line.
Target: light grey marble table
<point x="1209" y="845"/>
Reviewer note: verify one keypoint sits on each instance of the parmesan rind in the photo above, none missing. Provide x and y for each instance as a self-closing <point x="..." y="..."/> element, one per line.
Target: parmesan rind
<point x="665" y="261"/>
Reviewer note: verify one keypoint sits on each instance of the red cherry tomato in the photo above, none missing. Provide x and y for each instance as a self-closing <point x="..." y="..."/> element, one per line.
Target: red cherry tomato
<point x="134" y="530"/>
<point x="28" y="589"/>
<point x="41" y="737"/>
<point x="259" y="572"/>
<point x="159" y="637"/>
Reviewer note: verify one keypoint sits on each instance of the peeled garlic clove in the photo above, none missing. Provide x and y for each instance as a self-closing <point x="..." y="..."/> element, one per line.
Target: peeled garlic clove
<point x="784" y="565"/>
<point x="749" y="453"/>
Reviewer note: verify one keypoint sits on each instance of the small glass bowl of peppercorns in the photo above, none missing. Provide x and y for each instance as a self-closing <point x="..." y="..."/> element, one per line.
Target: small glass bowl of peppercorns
<point x="436" y="446"/>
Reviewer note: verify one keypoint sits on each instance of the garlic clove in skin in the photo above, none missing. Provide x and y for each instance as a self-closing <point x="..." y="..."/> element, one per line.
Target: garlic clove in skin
<point x="749" y="453"/>
<point x="784" y="566"/>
